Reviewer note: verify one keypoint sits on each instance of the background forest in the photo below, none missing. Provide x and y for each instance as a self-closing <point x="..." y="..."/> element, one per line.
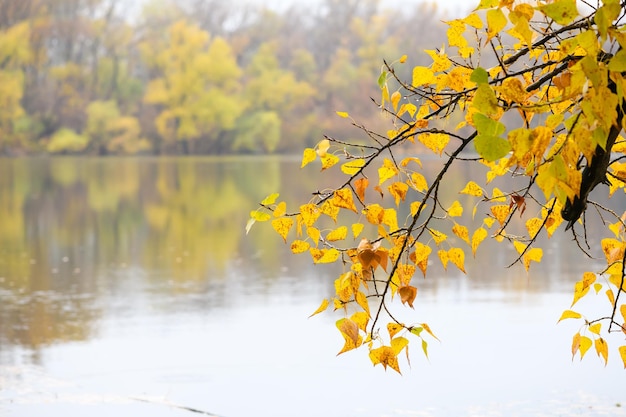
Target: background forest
<point x="102" y="77"/>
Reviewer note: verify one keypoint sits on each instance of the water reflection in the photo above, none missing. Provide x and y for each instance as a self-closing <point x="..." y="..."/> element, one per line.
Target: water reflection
<point x="145" y="264"/>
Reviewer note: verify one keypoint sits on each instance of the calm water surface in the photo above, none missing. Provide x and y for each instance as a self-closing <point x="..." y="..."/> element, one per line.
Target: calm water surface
<point x="128" y="287"/>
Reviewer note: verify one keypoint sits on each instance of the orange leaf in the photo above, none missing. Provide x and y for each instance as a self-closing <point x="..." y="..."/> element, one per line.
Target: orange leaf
<point x="360" y="186"/>
<point x="420" y="256"/>
<point x="407" y="294"/>
<point x="398" y="191"/>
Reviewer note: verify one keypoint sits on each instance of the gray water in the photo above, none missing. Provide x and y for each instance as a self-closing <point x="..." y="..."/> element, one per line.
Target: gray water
<point x="128" y="287"/>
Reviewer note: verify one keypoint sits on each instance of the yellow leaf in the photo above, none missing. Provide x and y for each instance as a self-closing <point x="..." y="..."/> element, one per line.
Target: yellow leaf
<point x="323" y="147"/>
<point x="489" y="221"/>
<point x="282" y="226"/>
<point x="353" y="166"/>
<point x="595" y="328"/>
<point x="420" y="256"/>
<point x="398" y="190"/>
<point x="496" y="21"/>
<point x="462" y="232"/>
<point x="398" y="344"/>
<point x="328" y="256"/>
<point x="310" y="213"/>
<point x="512" y="90"/>
<point x="329" y="160"/>
<point x="533" y="225"/>
<point x="374" y="213"/>
<point x="393" y="329"/>
<point x="299" y="246"/>
<point x="385" y="356"/>
<point x="270" y="199"/>
<point x="569" y="314"/>
<point x="534" y="254"/>
<point x="436" y="142"/>
<point x="622" y="353"/>
<point x="343" y="199"/>
<point x="427" y="328"/>
<point x="585" y="345"/>
<point x="387" y="171"/>
<point x="418" y="182"/>
<point x="260" y="216"/>
<point x="360" y="318"/>
<point x="457" y="257"/>
<point x="613" y="249"/>
<point x="321" y="308"/>
<point x="422" y="76"/>
<point x="402" y="59"/>
<point x="338" y="234"/>
<point x="443" y="257"/>
<point x="342" y="114"/>
<point x="562" y="12"/>
<point x="343" y="286"/>
<point x="438" y="236"/>
<point x="361" y="300"/>
<point x="622" y="310"/>
<point x="407" y="160"/>
<point x="329" y="209"/>
<point x="497" y="196"/>
<point x="441" y="62"/>
<point x="500" y="212"/>
<point x="357" y="228"/>
<point x="308" y="156"/>
<point x="281" y="209"/>
<point x="390" y="218"/>
<point x="575" y="344"/>
<point x="415" y="206"/>
<point x="479" y="235"/>
<point x="314" y="234"/>
<point x="350" y="332"/>
<point x="582" y="287"/>
<point x="472" y="188"/>
<point x="456" y="209"/>
<point x="602" y="349"/>
<point x="395" y="99"/>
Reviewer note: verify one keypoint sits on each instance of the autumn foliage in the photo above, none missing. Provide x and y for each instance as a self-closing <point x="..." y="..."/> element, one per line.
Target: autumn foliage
<point x="535" y="93"/>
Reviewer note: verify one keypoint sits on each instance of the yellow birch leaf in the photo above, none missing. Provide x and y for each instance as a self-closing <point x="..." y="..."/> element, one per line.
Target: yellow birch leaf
<point x="479" y="235"/>
<point x="443" y="257"/>
<point x="438" y="236"/>
<point x="436" y="142"/>
<point x="316" y="254"/>
<point x="270" y="199"/>
<point x="512" y="90"/>
<point x="456" y="209"/>
<point x="489" y="221"/>
<point x="441" y="62"/>
<point x="420" y="256"/>
<point x="329" y="160"/>
<point x="462" y="232"/>
<point x="457" y="257"/>
<point x="585" y="345"/>
<point x="582" y="287"/>
<point x="473" y="20"/>
<point x="299" y="246"/>
<point x="387" y="171"/>
<point x="328" y="256"/>
<point x="622" y="353"/>
<point x="534" y="254"/>
<point x="361" y="300"/>
<point x="343" y="114"/>
<point x="569" y="314"/>
<point x="338" y="234"/>
<point x="310" y="213"/>
<point x="281" y="209"/>
<point x="597" y="287"/>
<point x="329" y="209"/>
<point x="314" y="234"/>
<point x="361" y="319"/>
<point x="357" y="228"/>
<point x="407" y="294"/>
<point x="410" y="159"/>
<point x="533" y="226"/>
<point x="500" y="212"/>
<point x="418" y="182"/>
<point x="390" y="218"/>
<point x="350" y="332"/>
<point x="575" y="344"/>
<point x="622" y="310"/>
<point x="322" y="147"/>
<point x="282" y="226"/>
<point x="374" y="213"/>
<point x="602" y="349"/>
<point x="353" y="166"/>
<point x="498" y="196"/>
<point x="613" y="249"/>
<point x="496" y="21"/>
<point x="308" y="156"/>
<point x="321" y="308"/>
<point x="395" y="99"/>
<point x="595" y="328"/>
<point x="422" y="76"/>
<point x="610" y="296"/>
<point x="385" y="356"/>
<point x="402" y="59"/>
<point x="343" y="199"/>
<point x="260" y="216"/>
<point x="472" y="188"/>
<point x="427" y="328"/>
<point x="415" y="206"/>
<point x="398" y="344"/>
<point x="394" y="329"/>
<point x="398" y="191"/>
<point x="562" y="12"/>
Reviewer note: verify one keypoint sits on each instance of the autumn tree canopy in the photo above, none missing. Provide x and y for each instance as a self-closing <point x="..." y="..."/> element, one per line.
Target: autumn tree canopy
<point x="532" y="91"/>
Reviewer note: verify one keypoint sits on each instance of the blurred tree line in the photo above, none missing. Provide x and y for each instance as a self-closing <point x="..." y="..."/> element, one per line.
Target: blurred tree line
<point x="102" y="77"/>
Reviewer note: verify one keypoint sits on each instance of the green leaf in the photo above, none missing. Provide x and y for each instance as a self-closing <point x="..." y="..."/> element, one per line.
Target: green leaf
<point x="479" y="76"/>
<point x="562" y="12"/>
<point x="618" y="62"/>
<point x="491" y="148"/>
<point x="270" y="199"/>
<point x="485" y="100"/>
<point x="487" y="126"/>
<point x="382" y="79"/>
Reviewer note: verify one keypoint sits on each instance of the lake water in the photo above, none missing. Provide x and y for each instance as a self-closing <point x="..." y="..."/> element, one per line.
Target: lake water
<point x="128" y="287"/>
